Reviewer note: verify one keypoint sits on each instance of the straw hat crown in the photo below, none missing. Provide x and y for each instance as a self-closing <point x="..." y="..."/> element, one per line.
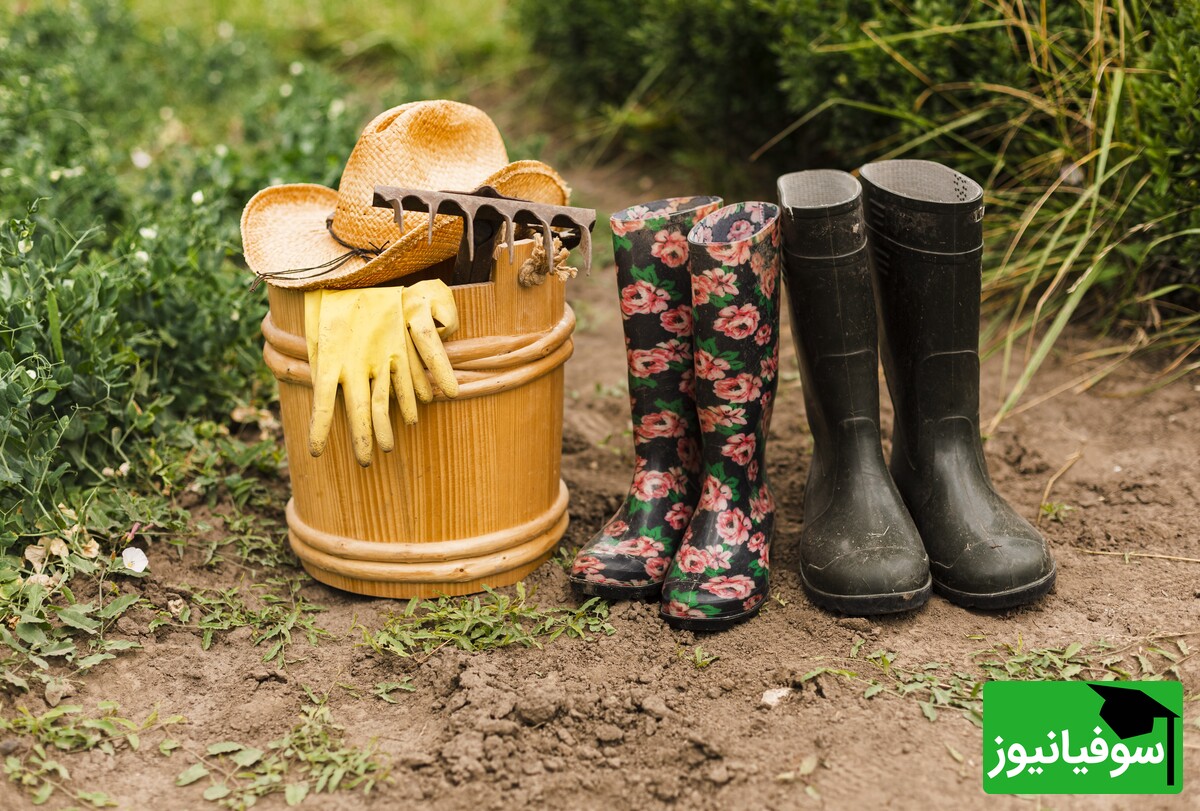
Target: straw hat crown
<point x="307" y="236"/>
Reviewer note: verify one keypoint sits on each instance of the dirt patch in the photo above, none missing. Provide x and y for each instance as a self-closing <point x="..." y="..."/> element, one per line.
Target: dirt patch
<point x="630" y="720"/>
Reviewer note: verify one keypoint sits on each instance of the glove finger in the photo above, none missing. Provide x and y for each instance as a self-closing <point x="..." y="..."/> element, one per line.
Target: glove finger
<point x="429" y="347"/>
<point x="446" y="314"/>
<point x="380" y="394"/>
<point x="403" y="384"/>
<point x="325" y="388"/>
<point x="312" y="325"/>
<point x="420" y="379"/>
<point x="357" y="397"/>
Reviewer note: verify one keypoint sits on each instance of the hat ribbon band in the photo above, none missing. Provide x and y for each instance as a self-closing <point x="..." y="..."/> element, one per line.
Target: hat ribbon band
<point x="352" y="252"/>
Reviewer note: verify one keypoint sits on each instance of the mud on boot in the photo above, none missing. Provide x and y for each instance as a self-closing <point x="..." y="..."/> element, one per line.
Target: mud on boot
<point x="720" y="573"/>
<point x="629" y="557"/>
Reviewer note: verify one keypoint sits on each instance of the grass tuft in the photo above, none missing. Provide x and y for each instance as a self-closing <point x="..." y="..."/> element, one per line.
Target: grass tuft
<point x="491" y="621"/>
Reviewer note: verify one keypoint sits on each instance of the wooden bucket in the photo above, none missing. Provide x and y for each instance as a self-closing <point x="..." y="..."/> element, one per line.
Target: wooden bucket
<point x="471" y="496"/>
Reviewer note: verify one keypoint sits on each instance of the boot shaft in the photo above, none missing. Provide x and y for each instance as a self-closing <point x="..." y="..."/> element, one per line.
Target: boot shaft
<point x="650" y="248"/>
<point x="925" y="224"/>
<point x="830" y="295"/>
<point x="830" y="291"/>
<point x="735" y="304"/>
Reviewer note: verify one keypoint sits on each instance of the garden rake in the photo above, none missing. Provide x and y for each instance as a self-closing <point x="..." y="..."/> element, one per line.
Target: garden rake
<point x="489" y="216"/>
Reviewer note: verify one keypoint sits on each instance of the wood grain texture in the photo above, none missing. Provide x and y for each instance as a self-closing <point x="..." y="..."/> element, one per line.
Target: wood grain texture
<point x="471" y="495"/>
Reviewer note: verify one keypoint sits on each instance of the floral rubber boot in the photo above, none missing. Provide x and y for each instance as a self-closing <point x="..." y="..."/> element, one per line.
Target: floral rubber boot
<point x="720" y="573"/>
<point x="629" y="557"/>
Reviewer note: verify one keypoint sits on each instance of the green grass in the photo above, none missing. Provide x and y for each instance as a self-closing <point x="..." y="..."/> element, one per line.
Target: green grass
<point x="937" y="687"/>
<point x="282" y="611"/>
<point x="66" y="730"/>
<point x="313" y="758"/>
<point x="482" y="623"/>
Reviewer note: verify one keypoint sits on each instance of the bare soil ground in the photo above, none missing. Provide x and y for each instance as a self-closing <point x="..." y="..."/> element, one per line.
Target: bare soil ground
<point x="628" y="720"/>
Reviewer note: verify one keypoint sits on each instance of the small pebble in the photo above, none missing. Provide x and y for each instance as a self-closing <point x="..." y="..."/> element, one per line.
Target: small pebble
<point x="771" y="698"/>
<point x="607" y="733"/>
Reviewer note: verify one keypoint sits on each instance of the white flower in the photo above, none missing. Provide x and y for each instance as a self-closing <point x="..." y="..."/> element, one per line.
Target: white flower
<point x="296" y="68"/>
<point x="141" y="158"/>
<point x="90" y="549"/>
<point x="32" y="374"/>
<point x="135" y="560"/>
<point x="221" y="150"/>
<point x="336" y="108"/>
<point x="225" y="29"/>
<point x="197" y="197"/>
<point x="58" y="547"/>
<point x="285" y="89"/>
<point x="25" y="246"/>
<point x="148" y="232"/>
<point x="142" y="257"/>
<point x="43" y="580"/>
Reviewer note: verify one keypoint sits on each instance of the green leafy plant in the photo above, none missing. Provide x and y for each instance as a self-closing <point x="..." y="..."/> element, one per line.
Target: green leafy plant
<point x="492" y="621"/>
<point x="312" y="758"/>
<point x="127" y="339"/>
<point x="699" y="657"/>
<point x="43" y="638"/>
<point x="938" y="686"/>
<point x="384" y="689"/>
<point x="282" y="612"/>
<point x="65" y="729"/>
<point x="1055" y="511"/>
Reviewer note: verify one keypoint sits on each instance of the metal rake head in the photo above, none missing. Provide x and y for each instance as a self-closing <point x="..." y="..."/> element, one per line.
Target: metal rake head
<point x="487" y="216"/>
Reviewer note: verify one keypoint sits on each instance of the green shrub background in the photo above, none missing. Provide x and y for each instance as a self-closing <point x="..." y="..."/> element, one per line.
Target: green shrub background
<point x="1079" y="118"/>
<point x="123" y="315"/>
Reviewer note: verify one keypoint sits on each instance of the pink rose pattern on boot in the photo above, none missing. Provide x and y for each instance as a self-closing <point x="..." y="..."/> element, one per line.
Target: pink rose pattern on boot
<point x="630" y="556"/>
<point x="720" y="574"/>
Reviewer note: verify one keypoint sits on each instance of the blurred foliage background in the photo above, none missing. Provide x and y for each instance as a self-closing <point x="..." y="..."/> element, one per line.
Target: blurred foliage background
<point x="132" y="133"/>
<point x="1078" y="117"/>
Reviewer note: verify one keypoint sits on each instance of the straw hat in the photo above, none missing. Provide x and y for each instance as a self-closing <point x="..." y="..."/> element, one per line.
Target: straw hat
<point x="305" y="236"/>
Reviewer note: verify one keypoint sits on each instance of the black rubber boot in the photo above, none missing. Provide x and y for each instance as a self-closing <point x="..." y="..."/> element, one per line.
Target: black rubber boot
<point x="860" y="552"/>
<point x="925" y="224"/>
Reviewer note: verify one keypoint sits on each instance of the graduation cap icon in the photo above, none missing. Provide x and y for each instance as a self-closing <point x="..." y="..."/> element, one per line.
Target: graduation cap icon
<point x="1129" y="712"/>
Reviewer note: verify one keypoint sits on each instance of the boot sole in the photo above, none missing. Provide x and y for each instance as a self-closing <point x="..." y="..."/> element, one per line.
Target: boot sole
<point x="866" y="605"/>
<point x="999" y="600"/>
<point x="616" y="593"/>
<point x="708" y="623"/>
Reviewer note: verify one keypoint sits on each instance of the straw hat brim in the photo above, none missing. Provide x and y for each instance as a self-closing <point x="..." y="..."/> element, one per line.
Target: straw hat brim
<point x="283" y="232"/>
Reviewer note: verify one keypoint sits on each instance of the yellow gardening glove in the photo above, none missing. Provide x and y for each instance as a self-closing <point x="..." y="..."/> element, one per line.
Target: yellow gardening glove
<point x="427" y="304"/>
<point x="358" y="339"/>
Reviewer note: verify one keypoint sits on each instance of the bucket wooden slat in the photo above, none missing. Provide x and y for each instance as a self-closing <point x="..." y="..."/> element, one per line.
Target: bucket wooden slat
<point x="476" y="480"/>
